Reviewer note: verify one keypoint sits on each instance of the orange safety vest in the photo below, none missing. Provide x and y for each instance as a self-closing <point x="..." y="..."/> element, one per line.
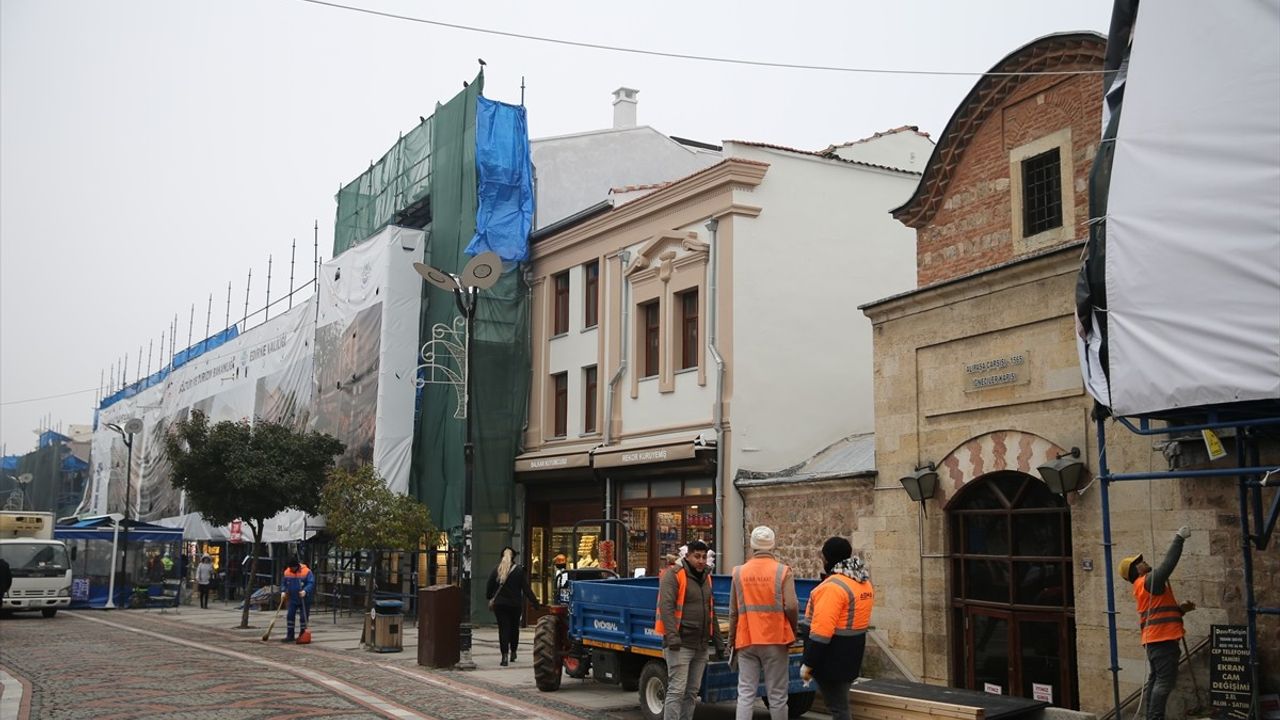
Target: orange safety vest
<point x="682" y="584"/>
<point x="839" y="606"/>
<point x="1158" y="615"/>
<point x="762" y="619"/>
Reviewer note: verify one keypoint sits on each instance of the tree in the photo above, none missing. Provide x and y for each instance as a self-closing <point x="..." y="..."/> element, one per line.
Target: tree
<point x="362" y="513"/>
<point x="249" y="471"/>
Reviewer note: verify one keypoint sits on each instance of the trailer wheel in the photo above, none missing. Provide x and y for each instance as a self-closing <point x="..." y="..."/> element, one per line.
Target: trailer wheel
<point x="799" y="703"/>
<point x="49" y="612"/>
<point x="653" y="689"/>
<point x="546" y="653"/>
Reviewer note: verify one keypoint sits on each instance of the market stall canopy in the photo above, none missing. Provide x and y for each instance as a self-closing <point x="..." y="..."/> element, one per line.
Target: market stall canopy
<point x="194" y="527"/>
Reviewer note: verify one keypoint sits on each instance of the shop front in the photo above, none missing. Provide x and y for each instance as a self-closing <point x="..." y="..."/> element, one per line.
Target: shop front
<point x="560" y="490"/>
<point x="665" y="495"/>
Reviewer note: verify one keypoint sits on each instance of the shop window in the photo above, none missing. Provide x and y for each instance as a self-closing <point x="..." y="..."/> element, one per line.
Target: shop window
<point x="560" y="391"/>
<point x="652" y="333"/>
<point x="701" y="486"/>
<point x="561" y="284"/>
<point x="688" y="303"/>
<point x="635" y="490"/>
<point x="664" y="488"/>
<point x="591" y="294"/>
<point x="589" y="399"/>
<point x="1041" y="193"/>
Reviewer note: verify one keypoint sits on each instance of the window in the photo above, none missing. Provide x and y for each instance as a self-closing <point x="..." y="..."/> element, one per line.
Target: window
<point x="688" y="304"/>
<point x="561" y="325"/>
<point x="589" y="399"/>
<point x="591" y="294"/>
<point x="1041" y="193"/>
<point x="560" y="391"/>
<point x="649" y="316"/>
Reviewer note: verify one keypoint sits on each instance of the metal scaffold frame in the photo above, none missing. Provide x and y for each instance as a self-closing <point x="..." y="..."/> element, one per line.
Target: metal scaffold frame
<point x="1256" y="524"/>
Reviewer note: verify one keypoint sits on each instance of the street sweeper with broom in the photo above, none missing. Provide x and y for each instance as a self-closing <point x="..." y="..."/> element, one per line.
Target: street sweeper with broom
<point x="297" y="587"/>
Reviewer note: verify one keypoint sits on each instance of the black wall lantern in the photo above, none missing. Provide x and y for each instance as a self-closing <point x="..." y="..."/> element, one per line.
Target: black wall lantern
<point x="921" y="484"/>
<point x="1063" y="474"/>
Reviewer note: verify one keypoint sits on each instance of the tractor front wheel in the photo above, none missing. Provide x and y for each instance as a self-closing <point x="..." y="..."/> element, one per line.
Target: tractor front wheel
<point x="546" y="653"/>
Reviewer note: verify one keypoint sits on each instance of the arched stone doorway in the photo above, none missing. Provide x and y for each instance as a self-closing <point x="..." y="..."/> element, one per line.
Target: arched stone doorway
<point x="1012" y="603"/>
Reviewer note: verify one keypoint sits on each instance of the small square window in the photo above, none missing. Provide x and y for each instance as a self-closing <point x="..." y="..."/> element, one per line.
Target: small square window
<point x="1041" y="193"/>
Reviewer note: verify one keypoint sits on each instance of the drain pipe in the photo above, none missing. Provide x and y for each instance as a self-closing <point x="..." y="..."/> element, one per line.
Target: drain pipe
<point x="713" y="307"/>
<point x="624" y="257"/>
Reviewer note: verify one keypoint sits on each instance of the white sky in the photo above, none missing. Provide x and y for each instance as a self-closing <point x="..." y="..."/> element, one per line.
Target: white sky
<point x="152" y="151"/>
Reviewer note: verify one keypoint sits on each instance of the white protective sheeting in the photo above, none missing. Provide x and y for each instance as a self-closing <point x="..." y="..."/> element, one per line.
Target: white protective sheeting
<point x="366" y="351"/>
<point x="1193" y="225"/>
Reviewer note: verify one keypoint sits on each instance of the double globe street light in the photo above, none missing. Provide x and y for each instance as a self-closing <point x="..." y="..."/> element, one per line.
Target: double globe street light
<point x="481" y="273"/>
<point x="131" y="427"/>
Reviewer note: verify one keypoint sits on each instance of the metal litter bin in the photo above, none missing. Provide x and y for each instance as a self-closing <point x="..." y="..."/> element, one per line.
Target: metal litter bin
<point x="388" y="622"/>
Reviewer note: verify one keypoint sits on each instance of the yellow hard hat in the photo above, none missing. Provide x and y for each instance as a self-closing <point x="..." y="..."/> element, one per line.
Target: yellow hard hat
<point x="1127" y="569"/>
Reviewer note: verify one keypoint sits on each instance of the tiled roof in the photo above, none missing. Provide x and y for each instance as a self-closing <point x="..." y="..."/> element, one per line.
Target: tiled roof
<point x="827" y="153"/>
<point x="891" y="131"/>
<point x="635" y="188"/>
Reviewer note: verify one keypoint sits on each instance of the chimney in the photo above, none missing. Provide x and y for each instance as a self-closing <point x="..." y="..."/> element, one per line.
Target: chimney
<point x="624" y="107"/>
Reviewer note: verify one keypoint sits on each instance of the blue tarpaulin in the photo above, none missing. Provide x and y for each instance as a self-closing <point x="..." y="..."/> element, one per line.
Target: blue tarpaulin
<point x="182" y="357"/>
<point x="504" y="212"/>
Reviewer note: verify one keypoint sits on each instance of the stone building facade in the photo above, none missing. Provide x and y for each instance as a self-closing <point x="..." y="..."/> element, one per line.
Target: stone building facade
<point x="995" y="582"/>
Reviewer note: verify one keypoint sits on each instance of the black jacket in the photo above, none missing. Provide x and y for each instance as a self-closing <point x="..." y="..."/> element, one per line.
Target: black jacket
<point x="508" y="594"/>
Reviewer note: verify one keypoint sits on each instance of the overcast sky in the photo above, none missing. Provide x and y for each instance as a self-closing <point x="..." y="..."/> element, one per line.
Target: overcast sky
<point x="150" y="152"/>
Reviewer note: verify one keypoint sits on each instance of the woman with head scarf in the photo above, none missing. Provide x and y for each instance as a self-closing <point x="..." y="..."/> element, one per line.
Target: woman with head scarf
<point x="204" y="578"/>
<point x="508" y="587"/>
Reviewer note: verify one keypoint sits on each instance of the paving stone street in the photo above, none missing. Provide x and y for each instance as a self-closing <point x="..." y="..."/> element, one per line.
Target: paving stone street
<point x="195" y="664"/>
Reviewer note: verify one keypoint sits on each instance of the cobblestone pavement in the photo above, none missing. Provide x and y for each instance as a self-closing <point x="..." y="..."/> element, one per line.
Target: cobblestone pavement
<point x="195" y="665"/>
<point x="125" y="665"/>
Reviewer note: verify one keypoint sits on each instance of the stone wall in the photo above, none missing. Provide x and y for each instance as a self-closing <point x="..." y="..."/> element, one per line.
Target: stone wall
<point x="804" y="514"/>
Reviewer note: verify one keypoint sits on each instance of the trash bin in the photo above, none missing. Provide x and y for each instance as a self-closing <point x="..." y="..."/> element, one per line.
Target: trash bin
<point x="388" y="619"/>
<point x="439" y="616"/>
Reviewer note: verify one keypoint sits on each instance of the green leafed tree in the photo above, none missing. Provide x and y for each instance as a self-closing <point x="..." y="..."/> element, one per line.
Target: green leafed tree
<point x="362" y="513"/>
<point x="249" y="471"/>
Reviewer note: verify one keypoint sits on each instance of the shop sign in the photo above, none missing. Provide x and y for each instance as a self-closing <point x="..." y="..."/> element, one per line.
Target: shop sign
<point x="1230" y="679"/>
<point x="983" y="373"/>
<point x="80" y="589"/>
<point x="236" y="535"/>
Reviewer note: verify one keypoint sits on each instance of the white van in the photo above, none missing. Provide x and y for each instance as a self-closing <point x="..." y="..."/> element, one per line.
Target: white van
<point x="40" y="565"/>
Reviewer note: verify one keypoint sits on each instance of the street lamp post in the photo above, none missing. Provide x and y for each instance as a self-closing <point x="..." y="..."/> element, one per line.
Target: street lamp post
<point x="130" y="428"/>
<point x="481" y="273"/>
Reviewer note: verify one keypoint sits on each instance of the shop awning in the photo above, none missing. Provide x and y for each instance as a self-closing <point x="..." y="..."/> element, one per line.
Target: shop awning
<point x="563" y="458"/>
<point x="643" y="451"/>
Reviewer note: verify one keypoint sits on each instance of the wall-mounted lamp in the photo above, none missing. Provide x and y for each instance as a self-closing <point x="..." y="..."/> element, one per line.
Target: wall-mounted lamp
<point x="921" y="484"/>
<point x="1063" y="474"/>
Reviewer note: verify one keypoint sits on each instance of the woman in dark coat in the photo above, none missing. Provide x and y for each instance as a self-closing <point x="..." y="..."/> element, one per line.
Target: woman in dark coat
<point x="508" y="586"/>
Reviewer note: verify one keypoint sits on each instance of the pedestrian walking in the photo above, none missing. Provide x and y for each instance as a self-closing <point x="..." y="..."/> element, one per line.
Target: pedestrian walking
<point x="686" y="620"/>
<point x="1160" y="618"/>
<point x="204" y="579"/>
<point x="298" y="587"/>
<point x="763" y="614"/>
<point x="837" y="618"/>
<point x="508" y="587"/>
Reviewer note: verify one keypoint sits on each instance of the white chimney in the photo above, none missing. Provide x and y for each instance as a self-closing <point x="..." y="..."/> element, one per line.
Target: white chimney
<point x="624" y="107"/>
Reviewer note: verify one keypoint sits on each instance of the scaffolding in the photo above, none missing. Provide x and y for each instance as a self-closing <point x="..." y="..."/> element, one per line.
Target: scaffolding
<point x="1256" y="522"/>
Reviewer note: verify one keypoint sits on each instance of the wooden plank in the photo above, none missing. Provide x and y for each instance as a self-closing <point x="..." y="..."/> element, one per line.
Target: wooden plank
<point x="879" y="706"/>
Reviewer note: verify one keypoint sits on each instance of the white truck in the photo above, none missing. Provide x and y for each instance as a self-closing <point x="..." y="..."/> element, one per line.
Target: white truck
<point x="40" y="565"/>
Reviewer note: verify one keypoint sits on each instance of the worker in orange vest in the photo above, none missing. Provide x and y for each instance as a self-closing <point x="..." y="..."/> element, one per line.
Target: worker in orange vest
<point x="763" y="615"/>
<point x="1160" y="618"/>
<point x="687" y="623"/>
<point x="837" y="617"/>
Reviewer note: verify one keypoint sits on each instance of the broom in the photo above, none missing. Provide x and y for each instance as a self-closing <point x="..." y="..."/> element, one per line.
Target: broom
<point x="304" y="638"/>
<point x="272" y="626"/>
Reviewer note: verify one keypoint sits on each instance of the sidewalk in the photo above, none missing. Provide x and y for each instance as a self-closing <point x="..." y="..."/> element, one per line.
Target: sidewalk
<point x="342" y="635"/>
